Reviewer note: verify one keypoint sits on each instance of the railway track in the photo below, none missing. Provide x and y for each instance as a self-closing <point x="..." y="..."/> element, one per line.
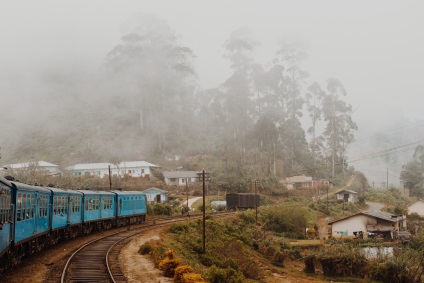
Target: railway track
<point x="97" y="261"/>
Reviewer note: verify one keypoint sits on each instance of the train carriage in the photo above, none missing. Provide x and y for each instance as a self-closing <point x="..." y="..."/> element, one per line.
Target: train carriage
<point x="66" y="211"/>
<point x="6" y="212"/>
<point x="131" y="207"/>
<point x="98" y="210"/>
<point x="31" y="215"/>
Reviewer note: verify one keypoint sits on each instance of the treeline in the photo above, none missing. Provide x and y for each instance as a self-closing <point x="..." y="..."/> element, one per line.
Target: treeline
<point x="145" y="103"/>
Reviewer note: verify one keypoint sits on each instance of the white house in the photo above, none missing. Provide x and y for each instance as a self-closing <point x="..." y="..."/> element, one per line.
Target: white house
<point x="368" y="222"/>
<point x="180" y="178"/>
<point x="156" y="195"/>
<point x="132" y="168"/>
<point x="417" y="207"/>
<point x="51" y="168"/>
<point x="347" y="195"/>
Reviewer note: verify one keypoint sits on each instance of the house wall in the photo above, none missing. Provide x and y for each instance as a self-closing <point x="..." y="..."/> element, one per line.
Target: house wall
<point x="179" y="181"/>
<point x="347" y="226"/>
<point x="152" y="197"/>
<point x="352" y="197"/>
<point x="417" y="207"/>
<point x="102" y="172"/>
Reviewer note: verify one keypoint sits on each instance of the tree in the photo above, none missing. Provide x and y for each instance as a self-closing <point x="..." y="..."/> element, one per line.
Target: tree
<point x="234" y="97"/>
<point x="157" y="76"/>
<point x="412" y="174"/>
<point x="314" y="96"/>
<point x="338" y="132"/>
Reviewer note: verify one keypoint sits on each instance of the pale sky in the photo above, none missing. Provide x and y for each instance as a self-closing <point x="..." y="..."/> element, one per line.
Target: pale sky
<point x="374" y="47"/>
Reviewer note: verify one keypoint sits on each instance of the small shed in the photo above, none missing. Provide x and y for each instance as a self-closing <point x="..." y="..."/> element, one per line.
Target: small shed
<point x="156" y="195"/>
<point x="347" y="196"/>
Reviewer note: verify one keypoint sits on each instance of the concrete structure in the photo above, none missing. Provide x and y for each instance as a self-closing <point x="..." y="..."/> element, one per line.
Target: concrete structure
<point x="347" y="196"/>
<point x="417" y="207"/>
<point x="179" y="178"/>
<point x="366" y="223"/>
<point x="50" y="168"/>
<point x="132" y="168"/>
<point x="156" y="195"/>
<point x="296" y="182"/>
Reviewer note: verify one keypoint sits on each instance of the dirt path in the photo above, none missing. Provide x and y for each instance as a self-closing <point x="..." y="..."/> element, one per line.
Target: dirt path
<point x="139" y="268"/>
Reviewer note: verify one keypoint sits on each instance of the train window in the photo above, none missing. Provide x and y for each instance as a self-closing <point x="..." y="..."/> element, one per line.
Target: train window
<point x="56" y="205"/>
<point x="32" y="203"/>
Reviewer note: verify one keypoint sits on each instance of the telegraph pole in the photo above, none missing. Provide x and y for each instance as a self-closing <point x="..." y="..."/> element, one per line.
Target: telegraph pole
<point x="202" y="175"/>
<point x="256" y="201"/>
<point x="187" y="193"/>
<point x="110" y="180"/>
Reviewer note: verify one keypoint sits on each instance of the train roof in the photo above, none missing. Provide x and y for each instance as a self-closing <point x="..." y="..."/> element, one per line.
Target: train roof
<point x="4" y="181"/>
<point x="25" y="187"/>
<point x="64" y="191"/>
<point x="128" y="192"/>
<point x="88" y="192"/>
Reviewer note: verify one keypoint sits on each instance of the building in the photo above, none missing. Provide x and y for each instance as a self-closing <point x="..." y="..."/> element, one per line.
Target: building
<point x="156" y="195"/>
<point x="347" y="196"/>
<point x="131" y="168"/>
<point x="50" y="168"/>
<point x="296" y="182"/>
<point x="417" y="207"/>
<point x="180" y="178"/>
<point x="368" y="224"/>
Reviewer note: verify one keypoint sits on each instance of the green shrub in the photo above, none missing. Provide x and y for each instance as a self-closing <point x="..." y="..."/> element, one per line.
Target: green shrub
<point x="145" y="248"/>
<point x="178" y="228"/>
<point x="220" y="275"/>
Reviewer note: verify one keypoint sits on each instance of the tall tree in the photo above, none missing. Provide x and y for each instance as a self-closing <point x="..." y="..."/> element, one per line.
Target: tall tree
<point x="314" y="97"/>
<point x="235" y="96"/>
<point x="157" y="76"/>
<point x="338" y="132"/>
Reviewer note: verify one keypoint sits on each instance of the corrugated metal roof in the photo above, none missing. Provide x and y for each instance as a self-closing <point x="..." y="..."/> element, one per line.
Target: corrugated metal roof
<point x="99" y="166"/>
<point x="27" y="164"/>
<point x="155" y="190"/>
<point x="349" y="191"/>
<point x="180" y="174"/>
<point x="375" y="214"/>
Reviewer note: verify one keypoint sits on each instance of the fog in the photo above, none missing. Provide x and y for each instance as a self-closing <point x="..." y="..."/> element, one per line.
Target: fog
<point x="375" y="48"/>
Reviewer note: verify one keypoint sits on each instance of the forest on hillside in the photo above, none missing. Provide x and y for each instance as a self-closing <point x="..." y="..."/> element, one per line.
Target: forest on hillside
<point x="264" y="121"/>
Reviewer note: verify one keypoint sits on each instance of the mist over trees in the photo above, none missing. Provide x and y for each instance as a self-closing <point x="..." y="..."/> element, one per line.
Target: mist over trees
<point x="145" y="103"/>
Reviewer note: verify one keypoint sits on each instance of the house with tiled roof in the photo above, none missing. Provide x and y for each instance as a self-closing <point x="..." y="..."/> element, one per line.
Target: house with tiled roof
<point x="296" y="182"/>
<point x="180" y="178"/>
<point x="369" y="223"/>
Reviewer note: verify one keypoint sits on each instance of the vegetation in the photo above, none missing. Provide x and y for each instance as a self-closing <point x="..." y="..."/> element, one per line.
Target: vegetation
<point x="248" y="127"/>
<point x="412" y="175"/>
<point x="237" y="249"/>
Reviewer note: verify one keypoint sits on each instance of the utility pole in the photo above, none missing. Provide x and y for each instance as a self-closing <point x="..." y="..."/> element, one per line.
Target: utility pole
<point x="110" y="180"/>
<point x="203" y="176"/>
<point x="256" y="201"/>
<point x="387" y="179"/>
<point x="187" y="193"/>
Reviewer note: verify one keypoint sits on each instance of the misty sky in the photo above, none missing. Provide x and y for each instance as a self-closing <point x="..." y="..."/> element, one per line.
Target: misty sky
<point x="374" y="47"/>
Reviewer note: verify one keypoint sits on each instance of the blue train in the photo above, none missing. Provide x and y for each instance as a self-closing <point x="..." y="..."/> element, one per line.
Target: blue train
<point x="33" y="217"/>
